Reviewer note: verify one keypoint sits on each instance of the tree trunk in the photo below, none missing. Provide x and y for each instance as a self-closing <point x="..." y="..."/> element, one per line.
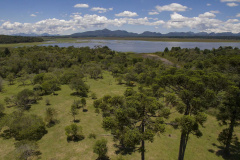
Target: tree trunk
<point x="230" y="133"/>
<point x="143" y="143"/>
<point x="183" y="145"/>
<point x="184" y="138"/>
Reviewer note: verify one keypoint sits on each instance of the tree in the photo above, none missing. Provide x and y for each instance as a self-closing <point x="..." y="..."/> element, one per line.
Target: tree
<point x="196" y="91"/>
<point x="83" y="102"/>
<point x="10" y="78"/>
<point x="24" y="127"/>
<point x="50" y="115"/>
<point x="2" y="108"/>
<point x="50" y="86"/>
<point x="80" y="87"/>
<point x="229" y="115"/>
<point x="74" y="132"/>
<point x="1" y="84"/>
<point x="133" y="119"/>
<point x="23" y="77"/>
<point x="25" y="98"/>
<point x="100" y="148"/>
<point x="74" y="111"/>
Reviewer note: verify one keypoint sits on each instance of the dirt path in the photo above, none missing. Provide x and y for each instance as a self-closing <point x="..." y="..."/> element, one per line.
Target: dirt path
<point x="164" y="60"/>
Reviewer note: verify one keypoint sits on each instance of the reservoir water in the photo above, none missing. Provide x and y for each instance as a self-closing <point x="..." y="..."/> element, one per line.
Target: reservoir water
<point x="138" y="46"/>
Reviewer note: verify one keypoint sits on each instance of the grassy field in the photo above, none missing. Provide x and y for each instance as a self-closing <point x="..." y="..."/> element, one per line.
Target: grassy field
<point x="54" y="145"/>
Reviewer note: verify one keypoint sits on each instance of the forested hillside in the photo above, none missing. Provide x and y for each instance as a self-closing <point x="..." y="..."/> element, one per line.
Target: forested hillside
<point x="4" y="39"/>
<point x="95" y="103"/>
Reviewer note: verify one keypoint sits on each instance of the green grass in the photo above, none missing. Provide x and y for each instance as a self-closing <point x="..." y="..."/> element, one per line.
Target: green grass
<point x="55" y="146"/>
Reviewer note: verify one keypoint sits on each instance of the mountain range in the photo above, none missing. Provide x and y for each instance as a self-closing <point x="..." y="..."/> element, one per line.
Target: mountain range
<point x="123" y="33"/>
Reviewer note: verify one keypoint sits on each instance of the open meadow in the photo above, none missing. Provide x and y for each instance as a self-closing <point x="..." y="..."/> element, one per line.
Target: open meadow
<point x="54" y="144"/>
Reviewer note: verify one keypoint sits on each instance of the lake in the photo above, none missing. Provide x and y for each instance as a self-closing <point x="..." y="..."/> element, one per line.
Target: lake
<point x="138" y="46"/>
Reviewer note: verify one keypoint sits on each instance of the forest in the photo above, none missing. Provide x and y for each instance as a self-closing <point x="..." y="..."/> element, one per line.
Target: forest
<point x="5" y="39"/>
<point x="96" y="103"/>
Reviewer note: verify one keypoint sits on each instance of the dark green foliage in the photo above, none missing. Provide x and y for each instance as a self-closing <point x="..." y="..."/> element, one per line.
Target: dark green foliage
<point x="196" y="91"/>
<point x="4" y="39"/>
<point x="130" y="119"/>
<point x="50" y="116"/>
<point x="100" y="148"/>
<point x="1" y="84"/>
<point x="229" y="115"/>
<point x="79" y="86"/>
<point x="74" y="132"/>
<point x="11" y="78"/>
<point x="24" y="99"/>
<point x="74" y="111"/>
<point x="92" y="135"/>
<point x="24" y="127"/>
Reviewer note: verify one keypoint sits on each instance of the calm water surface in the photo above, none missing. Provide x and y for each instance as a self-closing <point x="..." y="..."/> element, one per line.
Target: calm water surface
<point x="144" y="46"/>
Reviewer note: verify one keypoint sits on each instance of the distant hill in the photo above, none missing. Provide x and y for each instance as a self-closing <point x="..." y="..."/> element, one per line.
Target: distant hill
<point x="122" y="33"/>
<point x="35" y="35"/>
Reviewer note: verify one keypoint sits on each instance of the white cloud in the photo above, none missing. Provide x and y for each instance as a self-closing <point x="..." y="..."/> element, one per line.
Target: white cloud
<point x="204" y="22"/>
<point x="127" y="14"/>
<point x="232" y="4"/>
<point x="77" y="22"/>
<point x="153" y="13"/>
<point x="33" y="15"/>
<point x="77" y="13"/>
<point x="230" y="0"/>
<point x="232" y="21"/>
<point x="208" y="4"/>
<point x="175" y="7"/>
<point x="207" y="15"/>
<point x="81" y="6"/>
<point x="99" y="9"/>
<point x="238" y="15"/>
<point x="215" y="12"/>
<point x="110" y="9"/>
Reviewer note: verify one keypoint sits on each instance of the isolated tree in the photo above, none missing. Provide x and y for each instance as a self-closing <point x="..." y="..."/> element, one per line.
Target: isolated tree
<point x="229" y="115"/>
<point x="74" y="111"/>
<point x="83" y="102"/>
<point x="2" y="108"/>
<point x="134" y="119"/>
<point x="10" y="78"/>
<point x="195" y="91"/>
<point x="1" y="84"/>
<point x="79" y="86"/>
<point x="74" y="132"/>
<point x="100" y="148"/>
<point x="166" y="50"/>
<point x="50" y="115"/>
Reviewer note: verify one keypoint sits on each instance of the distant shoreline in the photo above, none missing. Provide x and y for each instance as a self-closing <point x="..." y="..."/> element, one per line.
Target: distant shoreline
<point x="75" y="40"/>
<point x="150" y="39"/>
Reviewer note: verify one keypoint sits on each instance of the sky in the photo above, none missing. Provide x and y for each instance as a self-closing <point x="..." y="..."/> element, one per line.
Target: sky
<point x="72" y="16"/>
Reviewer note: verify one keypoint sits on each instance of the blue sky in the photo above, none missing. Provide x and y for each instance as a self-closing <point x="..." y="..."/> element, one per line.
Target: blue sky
<point x="71" y="16"/>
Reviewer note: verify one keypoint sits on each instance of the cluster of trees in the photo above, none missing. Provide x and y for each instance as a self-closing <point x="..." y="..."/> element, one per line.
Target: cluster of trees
<point x="18" y="39"/>
<point x="208" y="79"/>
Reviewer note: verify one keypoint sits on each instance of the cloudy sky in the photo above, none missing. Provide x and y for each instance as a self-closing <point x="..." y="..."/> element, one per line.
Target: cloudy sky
<point x="71" y="16"/>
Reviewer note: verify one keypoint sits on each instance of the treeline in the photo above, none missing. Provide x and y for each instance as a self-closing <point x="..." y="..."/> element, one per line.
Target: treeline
<point x="208" y="79"/>
<point x="4" y="39"/>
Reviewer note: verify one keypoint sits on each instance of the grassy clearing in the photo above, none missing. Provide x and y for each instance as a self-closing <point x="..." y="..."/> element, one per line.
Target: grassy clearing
<point x="55" y="146"/>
